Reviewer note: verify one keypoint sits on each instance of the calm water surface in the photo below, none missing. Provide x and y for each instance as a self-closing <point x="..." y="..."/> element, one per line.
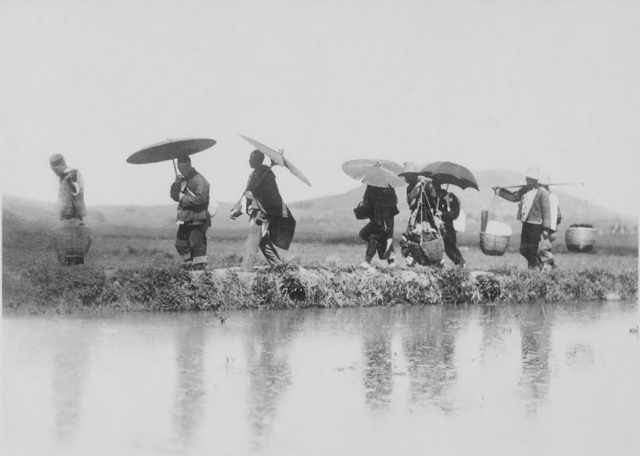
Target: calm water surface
<point x="509" y="380"/>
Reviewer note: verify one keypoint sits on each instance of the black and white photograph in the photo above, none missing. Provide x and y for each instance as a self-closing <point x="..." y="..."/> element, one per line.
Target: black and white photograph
<point x="320" y="227"/>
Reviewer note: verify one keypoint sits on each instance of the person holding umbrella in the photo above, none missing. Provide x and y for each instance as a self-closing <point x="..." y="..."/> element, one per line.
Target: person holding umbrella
<point x="378" y="233"/>
<point x="266" y="209"/>
<point x="191" y="191"/>
<point x="380" y="202"/>
<point x="534" y="213"/>
<point x="447" y="206"/>
<point x="447" y="209"/>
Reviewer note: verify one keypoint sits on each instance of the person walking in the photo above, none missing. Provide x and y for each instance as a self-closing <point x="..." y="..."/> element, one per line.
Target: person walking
<point x="382" y="203"/>
<point x="545" y="249"/>
<point x="447" y="209"/>
<point x="191" y="191"/>
<point x="421" y="201"/>
<point x="267" y="210"/>
<point x="533" y="212"/>
<point x="70" y="204"/>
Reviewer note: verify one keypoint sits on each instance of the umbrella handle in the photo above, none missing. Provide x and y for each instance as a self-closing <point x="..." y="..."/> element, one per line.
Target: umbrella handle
<point x="175" y="168"/>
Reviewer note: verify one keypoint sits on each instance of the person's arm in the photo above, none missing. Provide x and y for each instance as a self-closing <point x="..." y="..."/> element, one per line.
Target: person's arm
<point x="506" y="194"/>
<point x="196" y="193"/>
<point x="545" y="206"/>
<point x="453" y="210"/>
<point x="559" y="219"/>
<point x="77" y="186"/>
<point x="175" y="189"/>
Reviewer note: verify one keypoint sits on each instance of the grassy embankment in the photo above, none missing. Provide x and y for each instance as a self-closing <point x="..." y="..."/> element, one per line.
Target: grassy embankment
<point x="130" y="269"/>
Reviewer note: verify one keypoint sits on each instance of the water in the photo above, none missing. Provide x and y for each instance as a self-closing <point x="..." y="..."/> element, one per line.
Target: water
<point x="524" y="380"/>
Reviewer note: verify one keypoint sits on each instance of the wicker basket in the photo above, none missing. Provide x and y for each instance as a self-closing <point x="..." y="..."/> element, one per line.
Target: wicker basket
<point x="72" y="241"/>
<point x="493" y="244"/>
<point x="580" y="239"/>
<point x="433" y="250"/>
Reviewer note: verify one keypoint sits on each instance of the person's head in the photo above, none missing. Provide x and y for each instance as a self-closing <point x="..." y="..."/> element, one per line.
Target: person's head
<point x="256" y="158"/>
<point x="184" y="165"/>
<point x="58" y="164"/>
<point x="532" y="176"/>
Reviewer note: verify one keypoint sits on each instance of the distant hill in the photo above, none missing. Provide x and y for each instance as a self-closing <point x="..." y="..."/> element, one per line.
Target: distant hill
<point x="326" y="216"/>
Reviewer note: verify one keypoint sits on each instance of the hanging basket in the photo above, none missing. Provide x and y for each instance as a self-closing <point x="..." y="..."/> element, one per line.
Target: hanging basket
<point x="580" y="238"/>
<point x="433" y="250"/>
<point x="72" y="241"/>
<point x="493" y="244"/>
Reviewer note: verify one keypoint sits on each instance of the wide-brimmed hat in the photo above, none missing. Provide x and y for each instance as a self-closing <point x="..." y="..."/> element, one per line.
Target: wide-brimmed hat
<point x="409" y="168"/>
<point x="533" y="173"/>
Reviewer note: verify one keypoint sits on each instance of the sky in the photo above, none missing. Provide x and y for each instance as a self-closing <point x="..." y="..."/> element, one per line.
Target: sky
<point x="486" y="84"/>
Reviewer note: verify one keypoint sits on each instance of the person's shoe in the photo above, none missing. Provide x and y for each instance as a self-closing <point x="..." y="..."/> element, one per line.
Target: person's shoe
<point x="365" y="265"/>
<point x="199" y="267"/>
<point x="410" y="261"/>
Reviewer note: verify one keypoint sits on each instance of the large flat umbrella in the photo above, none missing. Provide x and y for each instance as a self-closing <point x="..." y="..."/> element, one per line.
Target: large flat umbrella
<point x="170" y="150"/>
<point x="277" y="158"/>
<point x="378" y="173"/>
<point x="450" y="173"/>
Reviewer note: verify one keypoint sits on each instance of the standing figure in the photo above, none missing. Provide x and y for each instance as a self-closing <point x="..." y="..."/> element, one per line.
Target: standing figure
<point x="448" y="209"/>
<point x="378" y="233"/>
<point x="545" y="250"/>
<point x="533" y="212"/>
<point x="70" y="203"/>
<point x="267" y="210"/>
<point x="422" y="225"/>
<point x="191" y="191"/>
<point x="72" y="238"/>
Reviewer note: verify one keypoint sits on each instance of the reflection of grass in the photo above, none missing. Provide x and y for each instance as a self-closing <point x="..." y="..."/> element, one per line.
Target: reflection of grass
<point x="132" y="269"/>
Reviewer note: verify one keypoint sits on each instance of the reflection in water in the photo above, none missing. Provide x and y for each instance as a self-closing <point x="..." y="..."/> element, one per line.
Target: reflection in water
<point x="437" y="379"/>
<point x="430" y="349"/>
<point x="269" y="370"/>
<point x="535" y="327"/>
<point x="190" y="392"/>
<point x="378" y="372"/>
<point x="70" y="365"/>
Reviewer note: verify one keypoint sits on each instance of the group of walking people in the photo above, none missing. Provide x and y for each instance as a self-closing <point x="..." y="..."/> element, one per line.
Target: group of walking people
<point x="433" y="211"/>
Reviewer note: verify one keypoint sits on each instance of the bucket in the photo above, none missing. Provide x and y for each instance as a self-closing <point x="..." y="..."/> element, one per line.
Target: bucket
<point x="493" y="244"/>
<point x="580" y="238"/>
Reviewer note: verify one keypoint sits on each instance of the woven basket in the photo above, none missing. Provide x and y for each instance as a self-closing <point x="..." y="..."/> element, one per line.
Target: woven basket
<point x="580" y="239"/>
<point x="493" y="244"/>
<point x="72" y="241"/>
<point x="433" y="250"/>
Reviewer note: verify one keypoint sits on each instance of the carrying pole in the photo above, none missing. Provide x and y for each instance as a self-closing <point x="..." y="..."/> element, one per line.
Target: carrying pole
<point x="561" y="183"/>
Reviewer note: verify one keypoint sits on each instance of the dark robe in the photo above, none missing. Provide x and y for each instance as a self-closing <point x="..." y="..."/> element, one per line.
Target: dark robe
<point x="266" y="196"/>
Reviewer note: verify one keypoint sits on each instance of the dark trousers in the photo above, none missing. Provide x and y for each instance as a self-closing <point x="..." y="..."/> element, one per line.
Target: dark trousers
<point x="191" y="243"/>
<point x="529" y="240"/>
<point x="450" y="245"/>
<point x="377" y="235"/>
<point x="269" y="251"/>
